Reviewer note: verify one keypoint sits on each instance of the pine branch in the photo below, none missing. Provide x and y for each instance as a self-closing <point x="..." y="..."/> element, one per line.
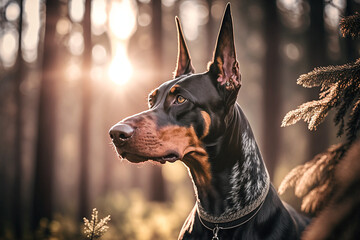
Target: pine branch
<point x="315" y="200"/>
<point x="326" y="76"/>
<point x="313" y="112"/>
<point x="339" y="90"/>
<point x="350" y="25"/>
<point x="313" y="181"/>
<point x="340" y="220"/>
<point x="340" y="86"/>
<point x="348" y="97"/>
<point x="95" y="229"/>
<point x="354" y="122"/>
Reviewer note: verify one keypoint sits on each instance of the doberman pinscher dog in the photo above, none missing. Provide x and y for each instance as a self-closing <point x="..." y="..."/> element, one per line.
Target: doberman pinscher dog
<point x="195" y="118"/>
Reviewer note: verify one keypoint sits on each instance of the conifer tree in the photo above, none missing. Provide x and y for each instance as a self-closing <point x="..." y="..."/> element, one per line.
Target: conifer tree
<point x="339" y="92"/>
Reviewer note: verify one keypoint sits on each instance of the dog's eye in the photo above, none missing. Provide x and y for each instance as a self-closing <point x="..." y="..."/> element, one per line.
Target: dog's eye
<point x="180" y="99"/>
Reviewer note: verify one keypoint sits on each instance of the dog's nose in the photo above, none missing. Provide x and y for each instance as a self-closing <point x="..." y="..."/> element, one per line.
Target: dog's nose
<point x="121" y="132"/>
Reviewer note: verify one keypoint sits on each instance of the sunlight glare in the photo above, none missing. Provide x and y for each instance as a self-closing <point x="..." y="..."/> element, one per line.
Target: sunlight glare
<point x="73" y="71"/>
<point x="333" y="14"/>
<point x="77" y="10"/>
<point x="99" y="54"/>
<point x="97" y="73"/>
<point x="144" y="19"/>
<point x="76" y="43"/>
<point x="122" y="19"/>
<point x="144" y="1"/>
<point x="193" y="15"/>
<point x="12" y="11"/>
<point x="120" y="69"/>
<point x="217" y="9"/>
<point x="98" y="17"/>
<point x="168" y="3"/>
<point x="292" y="51"/>
<point x="63" y="26"/>
<point x="289" y="4"/>
<point x="8" y="47"/>
<point x="31" y="30"/>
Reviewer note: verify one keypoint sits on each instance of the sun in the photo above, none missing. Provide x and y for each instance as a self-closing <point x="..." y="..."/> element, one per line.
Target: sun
<point x="122" y="19"/>
<point x="122" y="23"/>
<point x="120" y="69"/>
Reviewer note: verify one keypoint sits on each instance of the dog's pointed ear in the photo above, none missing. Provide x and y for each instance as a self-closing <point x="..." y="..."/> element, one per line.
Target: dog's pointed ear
<point x="224" y="66"/>
<point x="183" y="64"/>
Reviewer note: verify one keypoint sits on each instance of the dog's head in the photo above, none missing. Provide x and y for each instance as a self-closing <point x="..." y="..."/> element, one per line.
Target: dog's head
<point x="188" y="112"/>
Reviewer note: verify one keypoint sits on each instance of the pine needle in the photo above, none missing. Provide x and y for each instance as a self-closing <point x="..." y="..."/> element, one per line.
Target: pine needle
<point x="291" y="179"/>
<point x="326" y="76"/>
<point x="340" y="86"/>
<point x="350" y="26"/>
<point x="354" y="122"/>
<point x="313" y="180"/>
<point x="315" y="200"/>
<point x="340" y="219"/>
<point x="95" y="229"/>
<point x="339" y="91"/>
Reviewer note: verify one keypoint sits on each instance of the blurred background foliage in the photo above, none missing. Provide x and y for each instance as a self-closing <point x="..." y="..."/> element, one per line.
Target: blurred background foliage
<point x="70" y="69"/>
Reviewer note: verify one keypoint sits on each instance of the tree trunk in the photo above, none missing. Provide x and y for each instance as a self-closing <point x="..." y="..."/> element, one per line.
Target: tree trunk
<point x="318" y="140"/>
<point x="17" y="196"/>
<point x="47" y="120"/>
<point x="157" y="184"/>
<point x="210" y="32"/>
<point x="272" y="87"/>
<point x="84" y="206"/>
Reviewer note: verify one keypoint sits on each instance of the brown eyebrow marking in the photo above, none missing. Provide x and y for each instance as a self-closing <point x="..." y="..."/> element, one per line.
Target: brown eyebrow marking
<point x="207" y="121"/>
<point x="153" y="93"/>
<point x="152" y="97"/>
<point x="174" y="88"/>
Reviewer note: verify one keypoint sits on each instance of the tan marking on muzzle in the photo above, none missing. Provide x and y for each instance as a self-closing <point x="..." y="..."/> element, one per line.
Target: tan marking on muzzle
<point x="149" y="141"/>
<point x="193" y="154"/>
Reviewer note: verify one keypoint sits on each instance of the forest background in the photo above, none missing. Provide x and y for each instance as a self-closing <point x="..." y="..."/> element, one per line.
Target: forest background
<point x="69" y="70"/>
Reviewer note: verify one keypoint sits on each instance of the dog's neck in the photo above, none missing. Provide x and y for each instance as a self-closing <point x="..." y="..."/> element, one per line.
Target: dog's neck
<point x="239" y="181"/>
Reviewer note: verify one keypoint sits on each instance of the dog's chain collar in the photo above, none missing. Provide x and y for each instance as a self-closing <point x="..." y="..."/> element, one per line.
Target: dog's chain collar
<point x="233" y="220"/>
<point x="225" y="226"/>
<point x="238" y="213"/>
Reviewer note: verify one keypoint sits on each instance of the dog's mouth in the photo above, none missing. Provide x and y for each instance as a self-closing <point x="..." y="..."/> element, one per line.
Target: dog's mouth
<point x="135" y="158"/>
